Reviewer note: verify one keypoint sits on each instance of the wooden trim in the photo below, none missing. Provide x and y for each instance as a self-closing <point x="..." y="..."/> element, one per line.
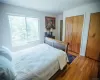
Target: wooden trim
<point x="73" y="53"/>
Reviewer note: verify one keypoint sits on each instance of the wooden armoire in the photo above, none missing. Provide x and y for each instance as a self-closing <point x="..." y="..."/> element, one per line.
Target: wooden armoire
<point x="73" y="33"/>
<point x="93" y="43"/>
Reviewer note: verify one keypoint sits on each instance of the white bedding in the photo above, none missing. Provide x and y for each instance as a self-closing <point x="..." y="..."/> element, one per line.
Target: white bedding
<point x="39" y="63"/>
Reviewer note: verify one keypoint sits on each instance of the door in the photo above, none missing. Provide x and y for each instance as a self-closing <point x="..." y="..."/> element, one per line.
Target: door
<point x="61" y="29"/>
<point x="68" y="32"/>
<point x="93" y="43"/>
<point x="77" y="33"/>
<point x="74" y="27"/>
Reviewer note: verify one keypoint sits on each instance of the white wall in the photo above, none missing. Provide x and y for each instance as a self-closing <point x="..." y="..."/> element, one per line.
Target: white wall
<point x="59" y="17"/>
<point x="85" y="10"/>
<point x="5" y="33"/>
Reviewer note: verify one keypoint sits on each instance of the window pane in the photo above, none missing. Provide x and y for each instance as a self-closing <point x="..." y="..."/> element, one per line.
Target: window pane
<point x="18" y="28"/>
<point x="32" y="29"/>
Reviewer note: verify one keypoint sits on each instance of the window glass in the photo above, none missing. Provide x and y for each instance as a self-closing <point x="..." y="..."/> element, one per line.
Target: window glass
<point x="23" y="30"/>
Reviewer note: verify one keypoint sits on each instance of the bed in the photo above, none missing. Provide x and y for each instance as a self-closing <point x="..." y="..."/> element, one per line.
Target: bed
<point x="39" y="63"/>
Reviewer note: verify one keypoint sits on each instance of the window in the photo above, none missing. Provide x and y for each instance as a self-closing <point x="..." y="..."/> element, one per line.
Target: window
<point x="24" y="30"/>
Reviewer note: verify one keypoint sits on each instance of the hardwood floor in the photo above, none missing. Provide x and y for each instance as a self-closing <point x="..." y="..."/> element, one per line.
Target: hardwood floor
<point x="82" y="68"/>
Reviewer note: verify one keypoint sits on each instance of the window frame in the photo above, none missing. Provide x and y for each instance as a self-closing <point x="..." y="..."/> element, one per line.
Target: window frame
<point x="28" y="42"/>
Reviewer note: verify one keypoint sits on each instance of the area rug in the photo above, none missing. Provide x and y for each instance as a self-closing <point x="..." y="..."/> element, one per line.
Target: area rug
<point x="70" y="58"/>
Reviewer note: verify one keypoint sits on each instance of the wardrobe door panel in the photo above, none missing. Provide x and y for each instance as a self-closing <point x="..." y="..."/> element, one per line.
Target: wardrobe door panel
<point x="79" y="32"/>
<point x="74" y="34"/>
<point x="93" y="44"/>
<point x="68" y="38"/>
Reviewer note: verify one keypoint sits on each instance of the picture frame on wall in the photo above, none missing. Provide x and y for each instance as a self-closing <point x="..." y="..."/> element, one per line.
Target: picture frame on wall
<point x="50" y="23"/>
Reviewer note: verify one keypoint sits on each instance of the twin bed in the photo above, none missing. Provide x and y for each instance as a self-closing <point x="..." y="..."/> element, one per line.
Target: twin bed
<point x="39" y="63"/>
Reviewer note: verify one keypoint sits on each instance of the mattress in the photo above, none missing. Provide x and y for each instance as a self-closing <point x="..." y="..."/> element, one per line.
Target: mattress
<point x="38" y="63"/>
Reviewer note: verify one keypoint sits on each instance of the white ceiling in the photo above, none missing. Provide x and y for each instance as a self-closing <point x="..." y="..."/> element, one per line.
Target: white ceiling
<point x="52" y="6"/>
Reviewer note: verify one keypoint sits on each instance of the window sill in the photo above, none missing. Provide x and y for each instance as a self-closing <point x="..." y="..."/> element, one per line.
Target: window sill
<point x="27" y="45"/>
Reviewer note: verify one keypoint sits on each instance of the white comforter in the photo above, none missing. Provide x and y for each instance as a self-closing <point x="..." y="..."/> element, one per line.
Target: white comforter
<point x="32" y="62"/>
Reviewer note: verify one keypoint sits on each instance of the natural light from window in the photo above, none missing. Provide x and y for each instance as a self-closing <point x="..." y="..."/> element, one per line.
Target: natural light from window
<point x="23" y="30"/>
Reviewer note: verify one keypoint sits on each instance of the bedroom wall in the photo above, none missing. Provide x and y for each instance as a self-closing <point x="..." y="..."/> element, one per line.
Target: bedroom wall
<point x="85" y="10"/>
<point x="5" y="33"/>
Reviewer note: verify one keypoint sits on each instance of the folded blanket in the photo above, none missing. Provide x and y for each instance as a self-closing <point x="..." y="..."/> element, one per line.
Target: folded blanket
<point x="62" y="59"/>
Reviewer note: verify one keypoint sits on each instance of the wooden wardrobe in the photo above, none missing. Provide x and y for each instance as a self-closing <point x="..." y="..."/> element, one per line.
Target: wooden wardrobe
<point x="73" y="33"/>
<point x="93" y="43"/>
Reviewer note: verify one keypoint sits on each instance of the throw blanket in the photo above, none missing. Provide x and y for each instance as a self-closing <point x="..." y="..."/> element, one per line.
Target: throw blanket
<point x="59" y="54"/>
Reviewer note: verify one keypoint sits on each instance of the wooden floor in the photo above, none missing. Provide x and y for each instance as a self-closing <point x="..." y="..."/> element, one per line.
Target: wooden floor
<point x="82" y="68"/>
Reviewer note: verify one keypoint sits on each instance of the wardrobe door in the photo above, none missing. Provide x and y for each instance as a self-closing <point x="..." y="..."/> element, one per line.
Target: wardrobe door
<point x="74" y="34"/>
<point x="77" y="33"/>
<point x="93" y="44"/>
<point x="68" y="34"/>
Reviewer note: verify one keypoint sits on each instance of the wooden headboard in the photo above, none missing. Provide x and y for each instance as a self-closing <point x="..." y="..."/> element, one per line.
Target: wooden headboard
<point x="56" y="44"/>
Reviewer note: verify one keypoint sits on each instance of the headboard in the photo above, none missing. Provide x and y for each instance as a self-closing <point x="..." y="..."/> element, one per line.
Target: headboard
<point x="56" y="44"/>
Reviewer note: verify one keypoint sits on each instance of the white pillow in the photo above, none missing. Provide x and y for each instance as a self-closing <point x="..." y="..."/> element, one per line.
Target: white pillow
<point x="4" y="51"/>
